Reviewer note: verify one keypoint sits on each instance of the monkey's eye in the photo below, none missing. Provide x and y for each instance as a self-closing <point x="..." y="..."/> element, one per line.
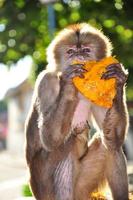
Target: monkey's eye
<point x="86" y="50"/>
<point x="70" y="51"/>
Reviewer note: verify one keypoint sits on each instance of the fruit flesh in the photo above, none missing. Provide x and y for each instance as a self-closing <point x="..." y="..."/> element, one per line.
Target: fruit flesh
<point x="99" y="91"/>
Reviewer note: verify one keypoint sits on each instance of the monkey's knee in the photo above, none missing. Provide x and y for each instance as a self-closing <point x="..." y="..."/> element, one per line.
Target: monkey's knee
<point x="112" y="141"/>
<point x="81" y="193"/>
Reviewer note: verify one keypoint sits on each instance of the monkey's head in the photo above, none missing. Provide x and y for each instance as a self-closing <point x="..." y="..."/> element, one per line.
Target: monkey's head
<point x="77" y="42"/>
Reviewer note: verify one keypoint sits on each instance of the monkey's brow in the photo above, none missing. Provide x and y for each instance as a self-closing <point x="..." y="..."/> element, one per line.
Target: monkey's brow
<point x="78" y="37"/>
<point x="72" y="46"/>
<point x="77" y="34"/>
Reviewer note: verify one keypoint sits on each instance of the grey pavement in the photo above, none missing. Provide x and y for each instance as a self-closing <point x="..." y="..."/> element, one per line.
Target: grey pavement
<point x="13" y="174"/>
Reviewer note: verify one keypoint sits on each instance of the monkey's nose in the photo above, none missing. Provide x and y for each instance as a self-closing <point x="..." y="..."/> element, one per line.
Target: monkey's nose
<point x="80" y="57"/>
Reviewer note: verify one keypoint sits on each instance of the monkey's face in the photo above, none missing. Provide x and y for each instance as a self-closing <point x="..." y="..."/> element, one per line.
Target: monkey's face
<point x="79" y="42"/>
<point x="88" y="51"/>
<point x="81" y="47"/>
<point x="81" y="53"/>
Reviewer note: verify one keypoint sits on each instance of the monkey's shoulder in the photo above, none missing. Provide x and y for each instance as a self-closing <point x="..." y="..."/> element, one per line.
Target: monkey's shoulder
<point x="45" y="78"/>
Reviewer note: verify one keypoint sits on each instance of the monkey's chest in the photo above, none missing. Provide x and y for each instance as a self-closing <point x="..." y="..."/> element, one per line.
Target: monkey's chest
<point x="81" y="114"/>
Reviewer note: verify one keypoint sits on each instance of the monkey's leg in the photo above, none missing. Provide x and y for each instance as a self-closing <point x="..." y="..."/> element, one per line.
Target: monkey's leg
<point x="35" y="155"/>
<point x="91" y="173"/>
<point x="114" y="130"/>
<point x="98" y="166"/>
<point x="116" y="174"/>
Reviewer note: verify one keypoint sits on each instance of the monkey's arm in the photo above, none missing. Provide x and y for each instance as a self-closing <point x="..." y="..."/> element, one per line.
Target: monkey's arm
<point x="54" y="105"/>
<point x="40" y="102"/>
<point x="116" y="119"/>
<point x="33" y="143"/>
<point x="56" y="121"/>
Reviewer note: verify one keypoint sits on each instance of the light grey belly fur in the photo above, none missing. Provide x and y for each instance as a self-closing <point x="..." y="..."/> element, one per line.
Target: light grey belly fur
<point x="63" y="179"/>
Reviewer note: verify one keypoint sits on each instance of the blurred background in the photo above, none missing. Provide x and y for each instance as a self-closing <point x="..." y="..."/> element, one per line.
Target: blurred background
<point x="26" y="29"/>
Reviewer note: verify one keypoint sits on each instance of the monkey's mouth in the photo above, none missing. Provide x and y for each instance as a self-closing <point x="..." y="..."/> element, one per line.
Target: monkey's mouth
<point x="80" y="58"/>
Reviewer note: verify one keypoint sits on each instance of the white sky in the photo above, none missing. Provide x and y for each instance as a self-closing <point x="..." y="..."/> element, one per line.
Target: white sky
<point x="16" y="75"/>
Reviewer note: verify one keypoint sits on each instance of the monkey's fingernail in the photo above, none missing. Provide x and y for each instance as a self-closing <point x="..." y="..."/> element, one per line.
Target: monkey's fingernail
<point x="103" y="76"/>
<point x="81" y="76"/>
<point x="81" y="70"/>
<point x="81" y="65"/>
<point x="113" y="66"/>
<point x="85" y="70"/>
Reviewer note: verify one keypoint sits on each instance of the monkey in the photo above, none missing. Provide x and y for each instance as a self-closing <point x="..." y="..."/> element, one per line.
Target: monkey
<point x="64" y="162"/>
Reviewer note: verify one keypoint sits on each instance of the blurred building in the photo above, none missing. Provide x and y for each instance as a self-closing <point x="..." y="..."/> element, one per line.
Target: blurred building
<point x="3" y="128"/>
<point x="19" y="99"/>
<point x="15" y="92"/>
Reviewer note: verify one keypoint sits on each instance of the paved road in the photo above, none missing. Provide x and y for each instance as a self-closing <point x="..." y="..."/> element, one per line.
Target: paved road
<point x="13" y="174"/>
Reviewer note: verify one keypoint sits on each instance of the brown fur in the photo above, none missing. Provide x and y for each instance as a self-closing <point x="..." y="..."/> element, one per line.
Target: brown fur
<point x="62" y="165"/>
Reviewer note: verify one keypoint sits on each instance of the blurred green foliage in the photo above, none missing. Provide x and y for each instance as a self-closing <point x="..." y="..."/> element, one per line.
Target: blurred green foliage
<point x="24" y="28"/>
<point x="26" y="192"/>
<point x="3" y="106"/>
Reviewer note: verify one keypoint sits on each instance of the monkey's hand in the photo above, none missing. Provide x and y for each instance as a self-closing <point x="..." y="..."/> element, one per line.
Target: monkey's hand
<point x="73" y="71"/>
<point x="117" y="71"/>
<point x="66" y="78"/>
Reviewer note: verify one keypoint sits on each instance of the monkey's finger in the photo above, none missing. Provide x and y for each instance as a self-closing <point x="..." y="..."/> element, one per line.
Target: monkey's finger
<point x="111" y="74"/>
<point x="121" y="78"/>
<point x="105" y="75"/>
<point x="77" y="65"/>
<point x="114" y="69"/>
<point x="77" y="70"/>
<point x="70" y="70"/>
<point x="81" y="76"/>
<point x="75" y="74"/>
<point x="116" y="65"/>
<point x="82" y="70"/>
